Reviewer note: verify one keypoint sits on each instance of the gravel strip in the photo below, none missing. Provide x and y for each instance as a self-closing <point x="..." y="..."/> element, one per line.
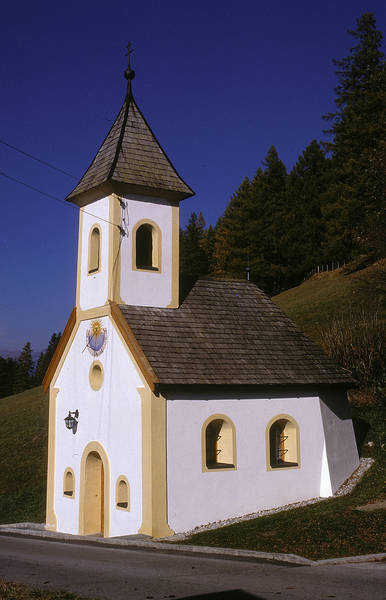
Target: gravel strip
<point x="345" y="488"/>
<point x="350" y="483"/>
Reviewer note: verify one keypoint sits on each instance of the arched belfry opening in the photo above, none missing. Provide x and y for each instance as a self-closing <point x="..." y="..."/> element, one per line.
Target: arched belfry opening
<point x="147" y="247"/>
<point x="144" y="247"/>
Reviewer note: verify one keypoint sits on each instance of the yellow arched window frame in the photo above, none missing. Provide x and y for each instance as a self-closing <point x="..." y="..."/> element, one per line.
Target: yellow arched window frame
<point x="147" y="245"/>
<point x="282" y="438"/>
<point x="218" y="442"/>
<point x="69" y="483"/>
<point x="122" y="493"/>
<point x="94" y="250"/>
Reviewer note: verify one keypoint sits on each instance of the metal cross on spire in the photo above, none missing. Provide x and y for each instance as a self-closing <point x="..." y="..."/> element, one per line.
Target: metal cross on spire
<point x="129" y="73"/>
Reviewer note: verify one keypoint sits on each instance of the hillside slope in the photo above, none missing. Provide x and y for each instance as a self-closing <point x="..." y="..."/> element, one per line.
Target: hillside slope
<point x="23" y="452"/>
<point x="313" y="304"/>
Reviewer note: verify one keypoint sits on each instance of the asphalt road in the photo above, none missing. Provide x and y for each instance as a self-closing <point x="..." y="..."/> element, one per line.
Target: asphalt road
<point x="127" y="574"/>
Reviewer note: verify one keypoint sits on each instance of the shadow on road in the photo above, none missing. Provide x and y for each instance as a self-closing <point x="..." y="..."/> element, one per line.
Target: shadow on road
<point x="227" y="595"/>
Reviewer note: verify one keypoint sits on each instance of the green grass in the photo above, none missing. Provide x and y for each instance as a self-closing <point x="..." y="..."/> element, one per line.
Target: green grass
<point x="23" y="451"/>
<point x="16" y="591"/>
<point x="324" y="296"/>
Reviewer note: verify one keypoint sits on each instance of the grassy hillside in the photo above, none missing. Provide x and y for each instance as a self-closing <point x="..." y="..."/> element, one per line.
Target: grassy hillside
<point x="23" y="452"/>
<point x="313" y="304"/>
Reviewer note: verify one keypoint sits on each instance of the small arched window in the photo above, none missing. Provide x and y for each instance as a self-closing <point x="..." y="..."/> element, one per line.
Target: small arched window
<point x="147" y="247"/>
<point x="283" y="443"/>
<point x="69" y="483"/>
<point x="219" y="447"/>
<point x="122" y="493"/>
<point x="94" y="250"/>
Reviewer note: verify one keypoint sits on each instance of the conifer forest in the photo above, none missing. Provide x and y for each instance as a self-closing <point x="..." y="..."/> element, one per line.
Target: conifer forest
<point x="328" y="210"/>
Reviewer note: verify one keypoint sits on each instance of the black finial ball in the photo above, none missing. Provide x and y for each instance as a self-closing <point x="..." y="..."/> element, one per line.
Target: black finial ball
<point x="129" y="74"/>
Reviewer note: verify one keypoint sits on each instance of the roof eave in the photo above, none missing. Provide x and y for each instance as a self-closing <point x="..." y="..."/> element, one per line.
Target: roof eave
<point x="106" y="188"/>
<point x="259" y="390"/>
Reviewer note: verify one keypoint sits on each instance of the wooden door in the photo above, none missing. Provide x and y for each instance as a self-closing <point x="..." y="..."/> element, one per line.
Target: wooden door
<point x="94" y="495"/>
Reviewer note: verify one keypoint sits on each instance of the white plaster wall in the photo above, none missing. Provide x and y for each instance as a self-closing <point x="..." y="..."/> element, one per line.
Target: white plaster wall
<point x="341" y="454"/>
<point x="144" y="288"/>
<point x="196" y="497"/>
<point x="111" y="416"/>
<point x="94" y="287"/>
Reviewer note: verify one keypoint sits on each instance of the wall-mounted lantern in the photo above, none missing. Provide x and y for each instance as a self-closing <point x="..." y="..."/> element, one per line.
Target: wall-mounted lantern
<point x="71" y="420"/>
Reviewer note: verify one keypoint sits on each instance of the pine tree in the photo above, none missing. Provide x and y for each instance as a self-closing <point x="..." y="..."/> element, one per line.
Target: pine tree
<point x="7" y="376"/>
<point x="208" y="245"/>
<point x="24" y="369"/>
<point x="357" y="132"/>
<point x="251" y="229"/>
<point x="232" y="236"/>
<point x="302" y="240"/>
<point x="45" y="358"/>
<point x="193" y="258"/>
<point x="268" y="190"/>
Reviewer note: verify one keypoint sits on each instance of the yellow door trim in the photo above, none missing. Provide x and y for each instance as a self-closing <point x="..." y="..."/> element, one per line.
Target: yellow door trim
<point x="95" y="447"/>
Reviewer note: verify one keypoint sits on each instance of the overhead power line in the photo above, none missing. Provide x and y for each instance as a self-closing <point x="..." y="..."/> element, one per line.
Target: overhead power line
<point x="43" y="162"/>
<point x="69" y="204"/>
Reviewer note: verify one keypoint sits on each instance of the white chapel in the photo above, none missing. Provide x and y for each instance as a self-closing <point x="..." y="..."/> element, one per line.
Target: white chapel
<point x="164" y="417"/>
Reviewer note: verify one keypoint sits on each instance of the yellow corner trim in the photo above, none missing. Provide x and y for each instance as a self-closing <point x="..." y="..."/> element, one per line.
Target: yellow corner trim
<point x="175" y="257"/>
<point x="154" y="472"/>
<point x="51" y="521"/>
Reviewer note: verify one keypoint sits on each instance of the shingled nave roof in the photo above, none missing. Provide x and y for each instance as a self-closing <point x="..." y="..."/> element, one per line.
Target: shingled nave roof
<point x="229" y="333"/>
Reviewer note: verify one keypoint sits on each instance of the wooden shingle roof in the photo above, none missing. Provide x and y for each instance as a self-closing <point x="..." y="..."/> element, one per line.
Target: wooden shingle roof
<point x="130" y="160"/>
<point x="229" y="333"/>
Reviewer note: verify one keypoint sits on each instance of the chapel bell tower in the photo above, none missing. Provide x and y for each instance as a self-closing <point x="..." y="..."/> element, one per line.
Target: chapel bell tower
<point x="129" y="218"/>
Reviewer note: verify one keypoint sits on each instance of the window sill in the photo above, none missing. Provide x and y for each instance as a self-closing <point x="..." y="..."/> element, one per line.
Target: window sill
<point x="219" y="467"/>
<point x="147" y="269"/>
<point x="283" y="466"/>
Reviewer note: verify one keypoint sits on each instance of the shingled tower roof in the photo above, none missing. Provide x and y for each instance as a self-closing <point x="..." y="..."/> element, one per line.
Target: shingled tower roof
<point x="130" y="160"/>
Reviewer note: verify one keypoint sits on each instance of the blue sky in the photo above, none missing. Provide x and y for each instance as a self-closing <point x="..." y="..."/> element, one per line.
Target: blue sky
<point x="218" y="81"/>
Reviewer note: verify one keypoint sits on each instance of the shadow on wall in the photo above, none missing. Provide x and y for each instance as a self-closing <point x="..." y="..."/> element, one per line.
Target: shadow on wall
<point x="361" y="428"/>
<point x="337" y="402"/>
<point x="227" y="595"/>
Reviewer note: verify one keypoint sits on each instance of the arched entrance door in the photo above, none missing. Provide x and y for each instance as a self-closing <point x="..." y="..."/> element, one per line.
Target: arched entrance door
<point x="94" y="494"/>
<point x="94" y="491"/>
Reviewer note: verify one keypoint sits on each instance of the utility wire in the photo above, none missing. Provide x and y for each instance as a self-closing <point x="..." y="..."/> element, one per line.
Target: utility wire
<point x="43" y="162"/>
<point x="35" y="189"/>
